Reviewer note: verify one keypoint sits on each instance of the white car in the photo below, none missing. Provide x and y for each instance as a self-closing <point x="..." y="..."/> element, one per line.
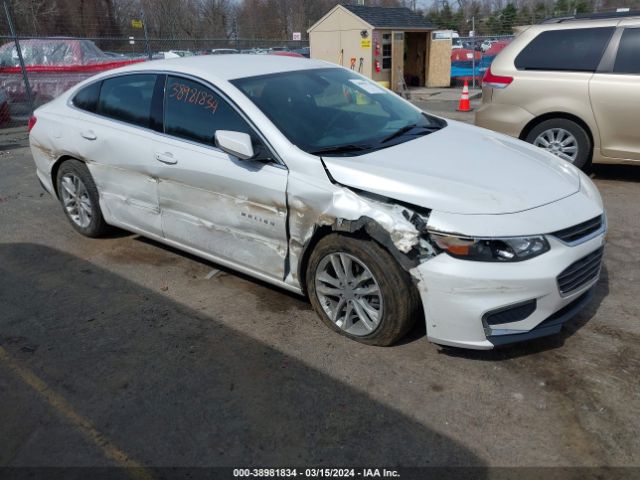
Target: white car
<point x="224" y="51"/>
<point x="313" y="178"/>
<point x="486" y="45"/>
<point x="176" y="54"/>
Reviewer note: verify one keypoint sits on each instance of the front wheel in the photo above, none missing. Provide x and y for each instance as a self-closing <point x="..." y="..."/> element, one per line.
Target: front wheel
<point x="359" y="290"/>
<point x="565" y="139"/>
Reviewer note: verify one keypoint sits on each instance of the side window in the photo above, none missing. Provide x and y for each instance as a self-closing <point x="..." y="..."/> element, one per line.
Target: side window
<point x="577" y="50"/>
<point x="194" y="112"/>
<point x="87" y="98"/>
<point x="628" y="58"/>
<point x="128" y="98"/>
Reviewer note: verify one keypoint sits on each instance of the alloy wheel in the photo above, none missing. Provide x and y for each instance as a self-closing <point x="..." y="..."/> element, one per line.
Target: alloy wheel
<point x="349" y="293"/>
<point x="560" y="142"/>
<point x="76" y="201"/>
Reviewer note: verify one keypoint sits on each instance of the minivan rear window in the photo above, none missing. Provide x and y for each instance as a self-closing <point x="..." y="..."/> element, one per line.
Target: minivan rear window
<point x="577" y="50"/>
<point x="628" y="58"/>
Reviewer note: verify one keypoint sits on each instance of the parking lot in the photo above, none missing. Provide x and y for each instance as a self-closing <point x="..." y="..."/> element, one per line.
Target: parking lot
<point x="123" y="352"/>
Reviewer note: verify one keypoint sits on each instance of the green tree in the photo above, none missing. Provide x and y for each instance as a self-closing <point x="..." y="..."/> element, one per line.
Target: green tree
<point x="508" y="18"/>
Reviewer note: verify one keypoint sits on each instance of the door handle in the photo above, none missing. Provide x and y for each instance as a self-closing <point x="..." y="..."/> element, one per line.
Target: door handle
<point x="89" y="135"/>
<point x="166" y="157"/>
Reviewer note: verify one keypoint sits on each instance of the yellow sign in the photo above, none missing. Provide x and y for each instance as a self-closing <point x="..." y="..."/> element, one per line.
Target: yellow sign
<point x="136" y="23"/>
<point x="365" y="43"/>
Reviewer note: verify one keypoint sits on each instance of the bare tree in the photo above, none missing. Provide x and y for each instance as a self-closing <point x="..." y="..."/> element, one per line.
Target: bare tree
<point x="33" y="14"/>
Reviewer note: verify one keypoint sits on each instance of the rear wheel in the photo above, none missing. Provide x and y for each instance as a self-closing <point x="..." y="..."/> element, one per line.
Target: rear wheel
<point x="79" y="197"/>
<point x="565" y="139"/>
<point x="359" y="290"/>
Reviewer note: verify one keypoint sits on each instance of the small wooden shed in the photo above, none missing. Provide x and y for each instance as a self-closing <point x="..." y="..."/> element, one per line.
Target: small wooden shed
<point x="386" y="44"/>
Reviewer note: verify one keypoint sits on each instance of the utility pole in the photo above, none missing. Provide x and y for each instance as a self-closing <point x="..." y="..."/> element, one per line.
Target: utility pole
<point x="23" y="68"/>
<point x="473" y="58"/>
<point x="146" y="33"/>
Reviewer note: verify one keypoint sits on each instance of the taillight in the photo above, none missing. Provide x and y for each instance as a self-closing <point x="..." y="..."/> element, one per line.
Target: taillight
<point x="495" y="81"/>
<point x="32" y="123"/>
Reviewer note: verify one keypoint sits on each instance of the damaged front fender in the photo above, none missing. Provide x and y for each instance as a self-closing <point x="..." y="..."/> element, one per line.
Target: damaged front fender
<point x="399" y="228"/>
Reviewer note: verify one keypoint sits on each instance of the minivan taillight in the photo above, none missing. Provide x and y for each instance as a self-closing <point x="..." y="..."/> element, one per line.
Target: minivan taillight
<point x="32" y="123"/>
<point x="495" y="81"/>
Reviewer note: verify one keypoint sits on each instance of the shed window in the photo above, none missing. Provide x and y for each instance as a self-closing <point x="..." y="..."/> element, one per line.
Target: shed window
<point x="386" y="51"/>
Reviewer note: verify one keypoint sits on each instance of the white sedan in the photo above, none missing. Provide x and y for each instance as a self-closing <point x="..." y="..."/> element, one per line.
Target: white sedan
<point x="313" y="178"/>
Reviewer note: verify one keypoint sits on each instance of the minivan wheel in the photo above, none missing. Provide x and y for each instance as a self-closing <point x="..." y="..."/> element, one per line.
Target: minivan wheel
<point x="359" y="290"/>
<point x="79" y="197"/>
<point x="564" y="138"/>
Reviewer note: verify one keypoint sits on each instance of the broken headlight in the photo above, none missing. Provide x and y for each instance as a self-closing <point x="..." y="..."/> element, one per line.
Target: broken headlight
<point x="508" y="249"/>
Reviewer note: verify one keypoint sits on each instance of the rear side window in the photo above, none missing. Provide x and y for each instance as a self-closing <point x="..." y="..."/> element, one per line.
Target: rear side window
<point x="127" y="98"/>
<point x="577" y="50"/>
<point x="87" y="98"/>
<point x="195" y="112"/>
<point x="628" y="58"/>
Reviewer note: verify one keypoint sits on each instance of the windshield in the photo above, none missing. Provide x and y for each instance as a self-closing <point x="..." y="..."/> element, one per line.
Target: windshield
<point x="333" y="111"/>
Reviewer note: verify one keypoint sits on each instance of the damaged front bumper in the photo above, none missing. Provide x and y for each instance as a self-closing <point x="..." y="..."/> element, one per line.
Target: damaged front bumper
<point x="481" y="305"/>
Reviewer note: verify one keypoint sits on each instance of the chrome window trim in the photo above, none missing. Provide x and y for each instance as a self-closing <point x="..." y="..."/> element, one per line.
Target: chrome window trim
<point x="278" y="162"/>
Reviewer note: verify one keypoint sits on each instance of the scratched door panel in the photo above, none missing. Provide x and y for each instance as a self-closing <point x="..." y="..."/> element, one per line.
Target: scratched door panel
<point x="225" y="207"/>
<point x="209" y="200"/>
<point x="121" y="163"/>
<point x="116" y="142"/>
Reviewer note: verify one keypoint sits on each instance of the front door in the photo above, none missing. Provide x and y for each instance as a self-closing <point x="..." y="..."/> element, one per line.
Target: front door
<point x="615" y="99"/>
<point x="213" y="202"/>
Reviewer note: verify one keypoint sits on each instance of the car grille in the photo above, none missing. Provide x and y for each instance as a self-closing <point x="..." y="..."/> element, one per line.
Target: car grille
<point x="580" y="273"/>
<point x="580" y="231"/>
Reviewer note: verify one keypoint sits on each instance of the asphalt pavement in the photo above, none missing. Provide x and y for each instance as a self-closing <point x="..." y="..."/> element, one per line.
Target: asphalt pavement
<point x="123" y="352"/>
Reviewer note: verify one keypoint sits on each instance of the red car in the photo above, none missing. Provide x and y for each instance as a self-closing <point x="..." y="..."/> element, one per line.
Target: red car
<point x="53" y="66"/>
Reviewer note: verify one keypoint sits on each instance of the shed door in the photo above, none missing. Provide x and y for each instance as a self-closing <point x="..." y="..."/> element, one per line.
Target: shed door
<point x="397" y="61"/>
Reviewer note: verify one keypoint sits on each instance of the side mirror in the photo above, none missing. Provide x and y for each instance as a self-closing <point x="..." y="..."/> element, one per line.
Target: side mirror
<point x="235" y="143"/>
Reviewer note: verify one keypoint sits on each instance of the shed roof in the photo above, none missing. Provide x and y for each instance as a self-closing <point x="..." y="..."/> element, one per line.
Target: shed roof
<point x="390" y="17"/>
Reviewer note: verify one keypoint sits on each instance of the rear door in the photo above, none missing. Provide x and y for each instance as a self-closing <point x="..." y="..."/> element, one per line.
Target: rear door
<point x="116" y="140"/>
<point x="213" y="202"/>
<point x="615" y="97"/>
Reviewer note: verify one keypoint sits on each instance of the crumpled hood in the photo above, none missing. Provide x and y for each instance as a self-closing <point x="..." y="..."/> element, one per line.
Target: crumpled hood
<point x="461" y="169"/>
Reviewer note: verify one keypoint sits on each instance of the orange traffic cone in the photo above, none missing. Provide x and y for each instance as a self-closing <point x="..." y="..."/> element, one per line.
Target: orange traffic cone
<point x="463" y="105"/>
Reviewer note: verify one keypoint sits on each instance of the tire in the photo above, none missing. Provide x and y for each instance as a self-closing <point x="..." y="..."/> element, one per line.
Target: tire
<point x="397" y="301"/>
<point x="544" y="129"/>
<point x="85" y="216"/>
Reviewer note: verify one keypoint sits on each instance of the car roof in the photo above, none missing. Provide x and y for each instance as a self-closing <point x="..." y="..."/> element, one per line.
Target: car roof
<point x="585" y="22"/>
<point x="229" y="67"/>
<point x="619" y="14"/>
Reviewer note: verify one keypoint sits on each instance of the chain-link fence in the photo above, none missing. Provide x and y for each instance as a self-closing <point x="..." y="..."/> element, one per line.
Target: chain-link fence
<point x="472" y="56"/>
<point x="35" y="69"/>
